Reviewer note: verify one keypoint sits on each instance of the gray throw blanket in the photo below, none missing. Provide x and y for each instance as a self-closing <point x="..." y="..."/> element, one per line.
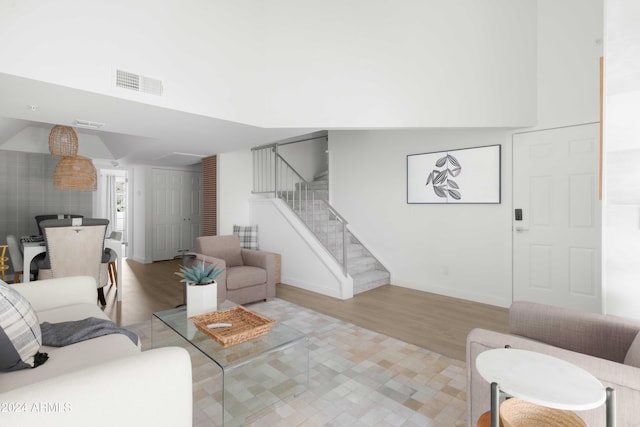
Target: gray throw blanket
<point x="65" y="333"/>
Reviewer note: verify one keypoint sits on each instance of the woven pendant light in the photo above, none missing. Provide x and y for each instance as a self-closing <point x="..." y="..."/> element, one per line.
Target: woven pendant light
<point x="63" y="141"/>
<point x="75" y="173"/>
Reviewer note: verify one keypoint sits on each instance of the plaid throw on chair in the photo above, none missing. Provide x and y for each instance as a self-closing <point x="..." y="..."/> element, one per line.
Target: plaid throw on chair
<point x="248" y="236"/>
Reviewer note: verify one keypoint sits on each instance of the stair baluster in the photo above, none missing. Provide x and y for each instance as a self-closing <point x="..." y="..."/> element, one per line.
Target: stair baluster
<point x="308" y="200"/>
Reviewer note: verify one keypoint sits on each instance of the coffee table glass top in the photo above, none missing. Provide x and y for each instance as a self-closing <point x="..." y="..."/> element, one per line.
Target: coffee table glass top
<point x="279" y="337"/>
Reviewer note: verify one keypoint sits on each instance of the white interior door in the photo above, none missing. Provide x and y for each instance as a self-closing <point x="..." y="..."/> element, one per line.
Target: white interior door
<point x="192" y="205"/>
<point x="557" y="218"/>
<point x="176" y="212"/>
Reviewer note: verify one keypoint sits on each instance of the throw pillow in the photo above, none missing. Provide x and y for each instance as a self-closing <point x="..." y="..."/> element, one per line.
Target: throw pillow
<point x="633" y="354"/>
<point x="20" y="336"/>
<point x="248" y="236"/>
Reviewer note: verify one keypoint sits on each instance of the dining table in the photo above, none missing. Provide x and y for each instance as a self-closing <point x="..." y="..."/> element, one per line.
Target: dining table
<point x="33" y="248"/>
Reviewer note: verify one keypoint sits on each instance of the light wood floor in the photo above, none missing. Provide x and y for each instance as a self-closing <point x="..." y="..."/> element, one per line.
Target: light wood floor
<point x="435" y="322"/>
<point x="147" y="288"/>
<point x="431" y="321"/>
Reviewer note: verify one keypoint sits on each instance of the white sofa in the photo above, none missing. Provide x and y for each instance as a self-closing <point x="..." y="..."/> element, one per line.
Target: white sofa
<point x="103" y="381"/>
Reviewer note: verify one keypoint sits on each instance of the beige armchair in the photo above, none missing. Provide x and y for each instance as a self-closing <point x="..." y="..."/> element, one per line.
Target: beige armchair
<point x="249" y="275"/>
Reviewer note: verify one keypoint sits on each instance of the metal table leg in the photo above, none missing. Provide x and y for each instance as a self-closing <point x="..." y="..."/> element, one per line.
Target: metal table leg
<point x="495" y="405"/>
<point x="611" y="407"/>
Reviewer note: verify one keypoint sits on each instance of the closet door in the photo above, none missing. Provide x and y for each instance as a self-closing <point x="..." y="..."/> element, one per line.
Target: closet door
<point x="192" y="217"/>
<point x="176" y="212"/>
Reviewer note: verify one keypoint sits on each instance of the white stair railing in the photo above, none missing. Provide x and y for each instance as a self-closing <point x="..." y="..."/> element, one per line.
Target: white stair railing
<point x="273" y="174"/>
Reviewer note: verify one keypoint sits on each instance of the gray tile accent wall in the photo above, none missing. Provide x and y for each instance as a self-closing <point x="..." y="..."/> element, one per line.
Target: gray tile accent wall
<point x="26" y="190"/>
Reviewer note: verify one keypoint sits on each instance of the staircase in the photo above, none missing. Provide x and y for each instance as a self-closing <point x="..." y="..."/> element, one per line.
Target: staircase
<point x="309" y="202"/>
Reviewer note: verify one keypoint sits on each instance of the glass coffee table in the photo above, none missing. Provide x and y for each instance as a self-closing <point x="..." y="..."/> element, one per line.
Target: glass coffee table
<point x="232" y="383"/>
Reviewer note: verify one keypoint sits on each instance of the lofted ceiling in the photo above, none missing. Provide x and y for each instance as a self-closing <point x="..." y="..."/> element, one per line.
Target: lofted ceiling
<point x="133" y="132"/>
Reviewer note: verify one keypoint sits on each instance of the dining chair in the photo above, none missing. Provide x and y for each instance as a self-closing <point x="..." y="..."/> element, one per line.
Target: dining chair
<point x="15" y="254"/>
<point x="76" y="250"/>
<point x="40" y="218"/>
<point x="113" y="270"/>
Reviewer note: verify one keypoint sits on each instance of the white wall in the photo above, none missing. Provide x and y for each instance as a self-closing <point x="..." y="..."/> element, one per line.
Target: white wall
<point x="235" y="182"/>
<point x="621" y="239"/>
<point x="462" y="250"/>
<point x="291" y="63"/>
<point x="203" y="50"/>
<point x="415" y="63"/>
<point x="304" y="262"/>
<point x="308" y="158"/>
<point x="569" y="46"/>
<point x="142" y="209"/>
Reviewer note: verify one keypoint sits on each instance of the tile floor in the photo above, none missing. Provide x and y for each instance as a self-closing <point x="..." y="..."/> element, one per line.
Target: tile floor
<point x="356" y="378"/>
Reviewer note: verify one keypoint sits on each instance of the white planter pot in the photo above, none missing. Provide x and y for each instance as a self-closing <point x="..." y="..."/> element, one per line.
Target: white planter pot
<point x="201" y="298"/>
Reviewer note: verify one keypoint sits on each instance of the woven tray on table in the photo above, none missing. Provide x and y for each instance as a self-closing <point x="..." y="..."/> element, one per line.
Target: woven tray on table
<point x="245" y="325"/>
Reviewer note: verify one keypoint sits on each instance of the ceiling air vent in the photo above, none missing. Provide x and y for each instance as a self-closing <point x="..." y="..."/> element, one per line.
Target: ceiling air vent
<point x="127" y="80"/>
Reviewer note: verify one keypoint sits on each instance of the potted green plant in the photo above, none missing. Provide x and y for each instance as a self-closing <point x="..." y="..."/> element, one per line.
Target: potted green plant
<point x="199" y="274"/>
<point x="201" y="287"/>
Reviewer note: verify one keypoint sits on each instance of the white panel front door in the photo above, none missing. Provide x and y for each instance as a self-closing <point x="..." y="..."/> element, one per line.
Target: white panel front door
<point x="557" y="241"/>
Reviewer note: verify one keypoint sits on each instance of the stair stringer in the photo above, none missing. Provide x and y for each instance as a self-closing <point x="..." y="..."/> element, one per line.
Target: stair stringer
<point x="305" y="262"/>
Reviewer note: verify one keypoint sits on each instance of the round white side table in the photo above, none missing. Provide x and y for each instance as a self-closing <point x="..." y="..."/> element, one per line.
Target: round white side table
<point x="543" y="380"/>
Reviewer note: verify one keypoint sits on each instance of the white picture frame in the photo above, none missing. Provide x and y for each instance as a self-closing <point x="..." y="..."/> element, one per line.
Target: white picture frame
<point x="466" y="175"/>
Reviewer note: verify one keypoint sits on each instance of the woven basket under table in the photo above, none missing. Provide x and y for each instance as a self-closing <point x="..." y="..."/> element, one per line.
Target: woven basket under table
<point x="245" y="325"/>
<point x="520" y="413"/>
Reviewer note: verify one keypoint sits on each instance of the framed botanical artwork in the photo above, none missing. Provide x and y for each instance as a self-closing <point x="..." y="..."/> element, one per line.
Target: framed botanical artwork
<point x="468" y="175"/>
